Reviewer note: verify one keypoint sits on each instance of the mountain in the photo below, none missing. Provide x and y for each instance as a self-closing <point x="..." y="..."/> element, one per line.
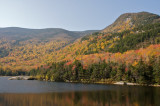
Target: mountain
<point x="21" y="47"/>
<point x="128" y="21"/>
<point x="15" y="33"/>
<point x="25" y="49"/>
<point x="139" y="36"/>
<point x="14" y="36"/>
<point x="128" y="51"/>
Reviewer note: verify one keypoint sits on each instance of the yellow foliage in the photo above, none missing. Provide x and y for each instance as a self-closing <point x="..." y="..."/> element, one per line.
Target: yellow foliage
<point x="135" y="63"/>
<point x="112" y="45"/>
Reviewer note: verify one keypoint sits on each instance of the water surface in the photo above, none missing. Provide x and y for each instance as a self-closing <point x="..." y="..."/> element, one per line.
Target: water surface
<point x="41" y="93"/>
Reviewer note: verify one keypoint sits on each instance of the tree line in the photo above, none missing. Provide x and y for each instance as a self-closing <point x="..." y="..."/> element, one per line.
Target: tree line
<point x="140" y="72"/>
<point x="12" y="73"/>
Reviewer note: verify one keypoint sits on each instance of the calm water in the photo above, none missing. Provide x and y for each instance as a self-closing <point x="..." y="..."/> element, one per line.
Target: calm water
<point x="40" y="93"/>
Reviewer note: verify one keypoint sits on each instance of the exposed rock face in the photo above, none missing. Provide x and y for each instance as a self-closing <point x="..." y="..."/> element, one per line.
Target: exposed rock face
<point x="128" y="21"/>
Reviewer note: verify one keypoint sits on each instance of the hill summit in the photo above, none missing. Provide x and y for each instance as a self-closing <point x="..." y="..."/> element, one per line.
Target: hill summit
<point x="128" y="21"/>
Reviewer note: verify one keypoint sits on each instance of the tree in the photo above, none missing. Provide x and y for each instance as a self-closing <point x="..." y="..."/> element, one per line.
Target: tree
<point x="120" y="71"/>
<point x="156" y="71"/>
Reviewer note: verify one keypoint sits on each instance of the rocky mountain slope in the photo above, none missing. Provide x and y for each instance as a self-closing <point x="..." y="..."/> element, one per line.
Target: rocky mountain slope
<point x="128" y="21"/>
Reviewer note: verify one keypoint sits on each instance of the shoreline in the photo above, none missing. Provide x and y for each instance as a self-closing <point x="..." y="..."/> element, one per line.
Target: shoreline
<point x="83" y="82"/>
<point x="20" y="77"/>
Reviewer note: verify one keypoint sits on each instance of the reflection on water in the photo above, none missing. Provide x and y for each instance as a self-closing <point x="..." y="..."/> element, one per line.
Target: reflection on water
<point x="128" y="96"/>
<point x="40" y="93"/>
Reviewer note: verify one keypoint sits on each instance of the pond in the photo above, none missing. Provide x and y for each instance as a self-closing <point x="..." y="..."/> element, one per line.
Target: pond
<point x="42" y="93"/>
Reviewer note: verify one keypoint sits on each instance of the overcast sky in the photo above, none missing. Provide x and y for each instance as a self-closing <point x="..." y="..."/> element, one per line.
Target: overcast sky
<point x="74" y="15"/>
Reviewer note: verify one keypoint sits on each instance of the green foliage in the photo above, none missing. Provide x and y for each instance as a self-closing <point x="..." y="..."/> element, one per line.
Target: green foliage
<point x="142" y="72"/>
<point x="147" y="35"/>
<point x="12" y="73"/>
<point x="3" y="52"/>
<point x="156" y="70"/>
<point x="140" y="37"/>
<point x="120" y="72"/>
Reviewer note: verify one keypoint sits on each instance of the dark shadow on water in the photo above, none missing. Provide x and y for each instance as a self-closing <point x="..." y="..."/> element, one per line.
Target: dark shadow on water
<point x="123" y="96"/>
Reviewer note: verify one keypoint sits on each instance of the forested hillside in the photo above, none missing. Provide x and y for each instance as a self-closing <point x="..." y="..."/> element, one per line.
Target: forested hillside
<point x="137" y="66"/>
<point x="127" y="50"/>
<point x="139" y="37"/>
<point x="122" y="54"/>
<point x="24" y="49"/>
